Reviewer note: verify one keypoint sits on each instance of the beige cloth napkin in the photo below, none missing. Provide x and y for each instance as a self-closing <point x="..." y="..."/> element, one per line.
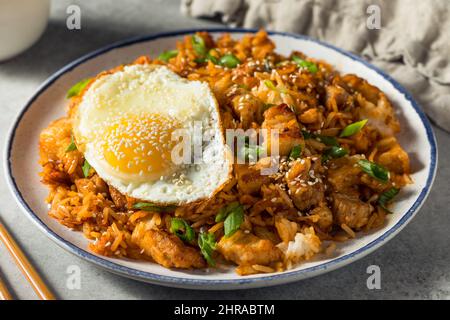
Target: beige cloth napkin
<point x="412" y="45"/>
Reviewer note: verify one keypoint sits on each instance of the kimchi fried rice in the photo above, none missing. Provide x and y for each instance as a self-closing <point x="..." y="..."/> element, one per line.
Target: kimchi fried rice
<point x="340" y="167"/>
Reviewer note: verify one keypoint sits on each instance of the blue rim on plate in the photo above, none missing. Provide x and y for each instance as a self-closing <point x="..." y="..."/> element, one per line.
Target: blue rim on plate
<point x="267" y="280"/>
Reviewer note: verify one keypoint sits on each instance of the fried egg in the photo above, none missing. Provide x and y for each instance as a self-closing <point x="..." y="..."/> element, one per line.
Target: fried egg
<point x="132" y="125"/>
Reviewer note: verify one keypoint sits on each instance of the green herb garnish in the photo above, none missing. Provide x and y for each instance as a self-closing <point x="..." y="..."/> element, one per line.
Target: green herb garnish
<point x="167" y="55"/>
<point x="212" y="58"/>
<point x="234" y="220"/>
<point x="221" y="215"/>
<point x="146" y="206"/>
<point x="182" y="229"/>
<point x="76" y="89"/>
<point x="72" y="146"/>
<point x="229" y="60"/>
<point x="207" y="244"/>
<point x="199" y="45"/>
<point x="311" y="66"/>
<point x="224" y="211"/>
<point x="307" y="134"/>
<point x="329" y="141"/>
<point x="296" y="152"/>
<point x="208" y="57"/>
<point x="374" y="170"/>
<point x="353" y="128"/>
<point x="251" y="152"/>
<point x="201" y="60"/>
<point x="86" y="168"/>
<point x="334" y="153"/>
<point x="269" y="84"/>
<point x="386" y="197"/>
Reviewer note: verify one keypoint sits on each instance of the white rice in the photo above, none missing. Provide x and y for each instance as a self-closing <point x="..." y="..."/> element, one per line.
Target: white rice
<point x="303" y="247"/>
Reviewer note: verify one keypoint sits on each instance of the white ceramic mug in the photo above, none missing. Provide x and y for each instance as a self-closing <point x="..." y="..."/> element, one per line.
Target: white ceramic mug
<point x="22" y="22"/>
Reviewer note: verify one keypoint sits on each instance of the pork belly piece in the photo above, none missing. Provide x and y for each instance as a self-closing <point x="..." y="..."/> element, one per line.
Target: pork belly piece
<point x="248" y="249"/>
<point x="120" y="201"/>
<point x="283" y="119"/>
<point x="167" y="249"/>
<point x="305" y="191"/>
<point x="249" y="177"/>
<point x="350" y="210"/>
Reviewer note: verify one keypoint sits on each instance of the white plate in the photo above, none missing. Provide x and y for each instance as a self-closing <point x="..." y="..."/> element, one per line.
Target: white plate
<point x="49" y="103"/>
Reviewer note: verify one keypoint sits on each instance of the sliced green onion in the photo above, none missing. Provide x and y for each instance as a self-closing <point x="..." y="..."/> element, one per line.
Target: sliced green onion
<point x="207" y="244"/>
<point x="167" y="55"/>
<point x="221" y="215"/>
<point x="212" y="58"/>
<point x="201" y="60"/>
<point x="199" y="45"/>
<point x="182" y="229"/>
<point x="374" y="170"/>
<point x="353" y="128"/>
<point x="307" y="134"/>
<point x="325" y="158"/>
<point x="233" y="221"/>
<point x="296" y="152"/>
<point x="229" y="60"/>
<point x="76" y="89"/>
<point x="311" y="66"/>
<point x="334" y="153"/>
<point x="146" y="206"/>
<point x="86" y="168"/>
<point x="208" y="57"/>
<point x="72" y="146"/>
<point x="281" y="63"/>
<point x="329" y="141"/>
<point x="269" y="84"/>
<point x="251" y="152"/>
<point x="224" y="211"/>
<point x="386" y="197"/>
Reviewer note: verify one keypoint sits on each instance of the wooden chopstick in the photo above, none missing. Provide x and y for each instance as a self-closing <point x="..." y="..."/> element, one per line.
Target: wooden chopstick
<point x="4" y="292"/>
<point x="25" y="266"/>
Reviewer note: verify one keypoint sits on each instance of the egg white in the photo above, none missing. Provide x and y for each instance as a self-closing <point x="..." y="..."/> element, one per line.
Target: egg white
<point x="139" y="89"/>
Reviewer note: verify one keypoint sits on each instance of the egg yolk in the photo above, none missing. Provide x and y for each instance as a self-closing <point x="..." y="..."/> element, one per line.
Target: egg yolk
<point x="141" y="145"/>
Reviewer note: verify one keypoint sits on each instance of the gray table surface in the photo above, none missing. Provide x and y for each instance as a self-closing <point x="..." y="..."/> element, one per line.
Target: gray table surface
<point x="415" y="264"/>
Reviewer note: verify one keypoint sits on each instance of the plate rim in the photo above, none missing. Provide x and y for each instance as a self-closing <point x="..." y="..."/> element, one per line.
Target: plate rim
<point x="274" y="279"/>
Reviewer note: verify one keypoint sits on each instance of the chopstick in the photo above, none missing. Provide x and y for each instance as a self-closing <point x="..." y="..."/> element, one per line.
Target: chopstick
<point x="25" y="266"/>
<point x="4" y="292"/>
